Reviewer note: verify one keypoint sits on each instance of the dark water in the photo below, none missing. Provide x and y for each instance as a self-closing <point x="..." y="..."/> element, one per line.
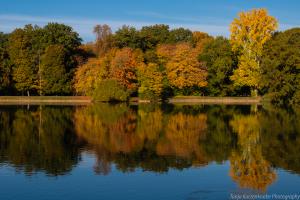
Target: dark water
<point x="147" y="152"/>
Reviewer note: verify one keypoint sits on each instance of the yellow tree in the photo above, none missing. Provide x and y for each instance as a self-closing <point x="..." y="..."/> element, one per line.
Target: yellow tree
<point x="183" y="68"/>
<point x="87" y="76"/>
<point x="91" y="73"/>
<point x="249" y="32"/>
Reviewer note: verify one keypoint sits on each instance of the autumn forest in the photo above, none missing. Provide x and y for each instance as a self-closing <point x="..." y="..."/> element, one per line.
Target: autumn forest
<point x="154" y="62"/>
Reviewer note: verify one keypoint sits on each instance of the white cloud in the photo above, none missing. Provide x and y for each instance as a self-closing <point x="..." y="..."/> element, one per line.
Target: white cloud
<point x="84" y="26"/>
<point x="283" y="27"/>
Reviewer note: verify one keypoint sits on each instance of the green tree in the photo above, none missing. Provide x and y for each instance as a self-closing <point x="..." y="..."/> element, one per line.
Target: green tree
<point x="26" y="48"/>
<point x="54" y="77"/>
<point x="127" y="37"/>
<point x="61" y="34"/>
<point x="281" y="67"/>
<point x="153" y="35"/>
<point x="180" y="35"/>
<point x="220" y="62"/>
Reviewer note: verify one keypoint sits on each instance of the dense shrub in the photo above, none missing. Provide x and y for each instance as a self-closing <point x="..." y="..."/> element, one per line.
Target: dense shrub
<point x="110" y="90"/>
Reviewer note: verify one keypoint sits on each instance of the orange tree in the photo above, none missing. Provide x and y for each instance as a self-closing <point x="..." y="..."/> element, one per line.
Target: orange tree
<point x="184" y="71"/>
<point x="124" y="67"/>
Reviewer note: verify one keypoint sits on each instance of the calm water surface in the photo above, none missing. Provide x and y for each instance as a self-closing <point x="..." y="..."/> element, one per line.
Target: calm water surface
<point x="147" y="152"/>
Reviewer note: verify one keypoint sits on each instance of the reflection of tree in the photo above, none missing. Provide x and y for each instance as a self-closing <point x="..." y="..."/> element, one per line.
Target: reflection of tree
<point x="281" y="137"/>
<point x="96" y="125"/>
<point x="219" y="137"/>
<point x="182" y="136"/>
<point x="39" y="139"/>
<point x="151" y="138"/>
<point x="138" y="139"/>
<point x="108" y="130"/>
<point x="150" y="122"/>
<point x="248" y="166"/>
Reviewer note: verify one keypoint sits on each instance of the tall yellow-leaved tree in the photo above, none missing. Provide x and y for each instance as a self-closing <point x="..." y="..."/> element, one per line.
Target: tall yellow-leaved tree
<point x="249" y="32"/>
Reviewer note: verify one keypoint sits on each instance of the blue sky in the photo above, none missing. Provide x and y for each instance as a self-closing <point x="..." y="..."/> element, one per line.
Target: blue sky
<point x="212" y="16"/>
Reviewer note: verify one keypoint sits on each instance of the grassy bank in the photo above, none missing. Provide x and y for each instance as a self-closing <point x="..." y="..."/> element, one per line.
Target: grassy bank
<point x="15" y="100"/>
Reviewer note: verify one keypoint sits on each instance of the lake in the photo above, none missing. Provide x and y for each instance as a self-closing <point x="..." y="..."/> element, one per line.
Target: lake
<point x="144" y="151"/>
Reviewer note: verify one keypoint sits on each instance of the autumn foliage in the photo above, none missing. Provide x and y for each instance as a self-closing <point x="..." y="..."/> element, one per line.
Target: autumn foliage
<point x="152" y="63"/>
<point x="183" y="68"/>
<point x="124" y="67"/>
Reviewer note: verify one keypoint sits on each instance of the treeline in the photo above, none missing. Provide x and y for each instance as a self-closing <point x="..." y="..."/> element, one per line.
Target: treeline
<point x="154" y="62"/>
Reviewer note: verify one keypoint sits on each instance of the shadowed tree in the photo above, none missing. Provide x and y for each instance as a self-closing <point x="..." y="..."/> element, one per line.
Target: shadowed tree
<point x="281" y="67"/>
<point x="5" y="66"/>
<point x="220" y="62"/>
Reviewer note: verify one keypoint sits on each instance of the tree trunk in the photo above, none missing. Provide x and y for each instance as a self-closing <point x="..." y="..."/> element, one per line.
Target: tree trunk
<point x="28" y="94"/>
<point x="254" y="92"/>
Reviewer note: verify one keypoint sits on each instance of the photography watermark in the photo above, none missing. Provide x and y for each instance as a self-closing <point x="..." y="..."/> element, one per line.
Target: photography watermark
<point x="264" y="196"/>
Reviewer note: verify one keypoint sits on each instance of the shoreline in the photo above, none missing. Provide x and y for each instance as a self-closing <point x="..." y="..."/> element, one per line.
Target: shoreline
<point x="215" y="100"/>
<point x="83" y="100"/>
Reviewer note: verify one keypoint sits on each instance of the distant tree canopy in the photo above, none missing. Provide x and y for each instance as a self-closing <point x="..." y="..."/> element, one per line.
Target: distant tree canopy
<point x="155" y="61"/>
<point x="150" y="36"/>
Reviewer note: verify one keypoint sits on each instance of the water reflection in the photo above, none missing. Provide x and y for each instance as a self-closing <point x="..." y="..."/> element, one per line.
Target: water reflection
<point x="154" y="138"/>
<point x="38" y="139"/>
<point x="248" y="166"/>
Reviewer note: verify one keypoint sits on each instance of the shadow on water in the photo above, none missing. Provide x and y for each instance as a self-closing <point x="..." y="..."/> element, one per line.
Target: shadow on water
<point x="157" y="138"/>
